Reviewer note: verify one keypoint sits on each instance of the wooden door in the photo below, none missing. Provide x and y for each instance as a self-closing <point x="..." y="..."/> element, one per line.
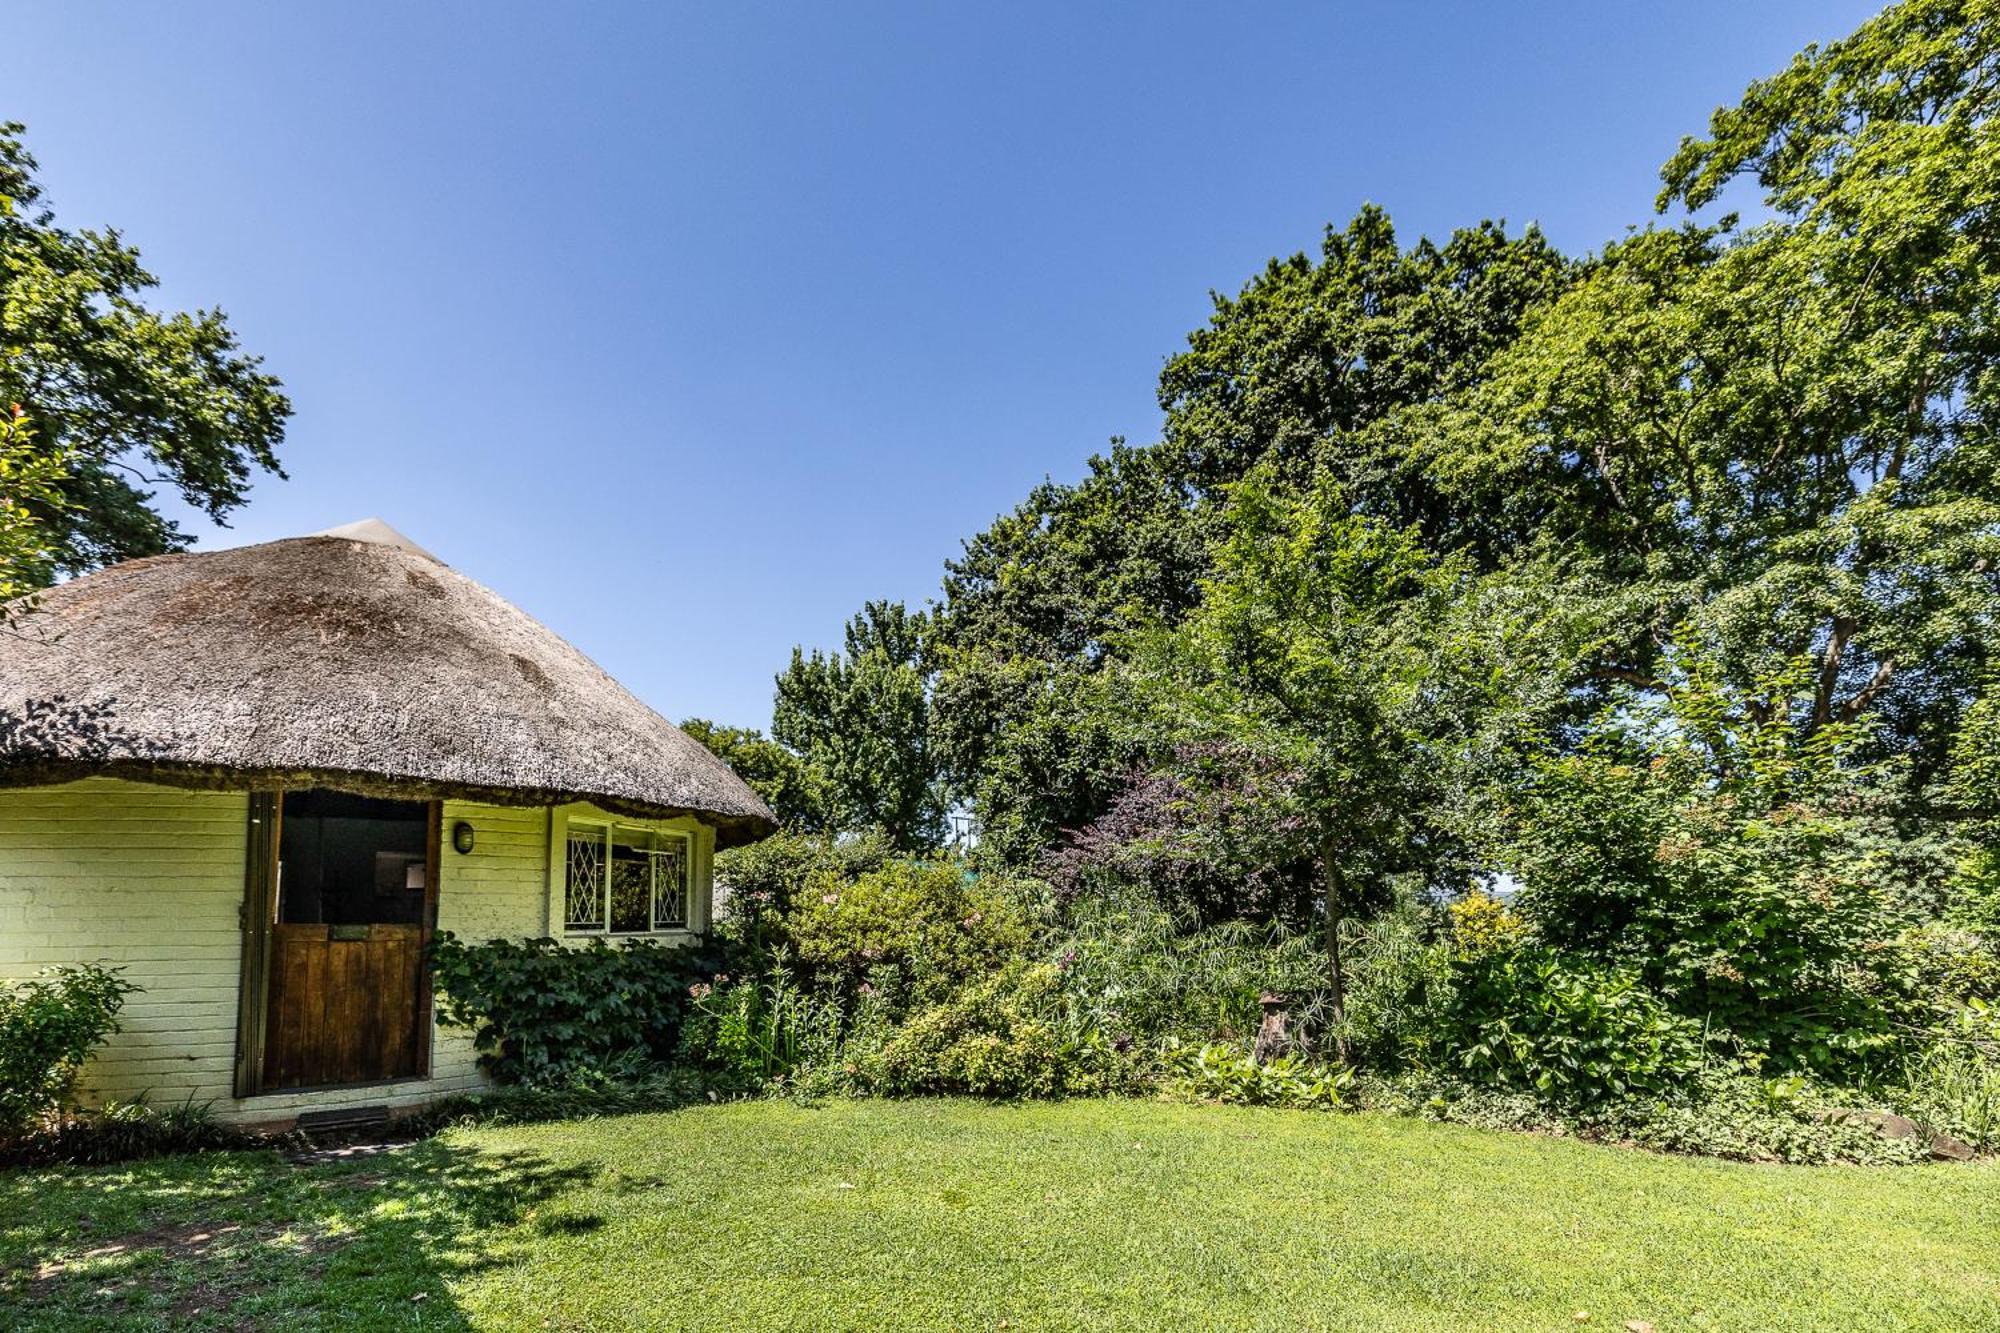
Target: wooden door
<point x="336" y="989"/>
<point x="343" y="1004"/>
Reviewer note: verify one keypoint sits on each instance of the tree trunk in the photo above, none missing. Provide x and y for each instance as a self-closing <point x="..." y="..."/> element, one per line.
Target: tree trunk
<point x="1336" y="973"/>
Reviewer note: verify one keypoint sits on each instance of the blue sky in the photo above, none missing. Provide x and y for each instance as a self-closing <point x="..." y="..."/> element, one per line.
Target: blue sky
<point x="688" y="330"/>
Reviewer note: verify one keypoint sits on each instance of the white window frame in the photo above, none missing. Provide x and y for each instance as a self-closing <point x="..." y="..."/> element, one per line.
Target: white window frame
<point x="605" y="828"/>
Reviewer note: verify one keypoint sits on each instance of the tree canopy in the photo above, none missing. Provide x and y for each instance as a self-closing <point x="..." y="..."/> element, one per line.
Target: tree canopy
<point x="29" y="478"/>
<point x="860" y="723"/>
<point x="127" y="397"/>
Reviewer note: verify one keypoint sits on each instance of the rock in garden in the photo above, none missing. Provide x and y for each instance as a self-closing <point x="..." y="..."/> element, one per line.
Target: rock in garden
<point x="1951" y="1149"/>
<point x="1886" y="1123"/>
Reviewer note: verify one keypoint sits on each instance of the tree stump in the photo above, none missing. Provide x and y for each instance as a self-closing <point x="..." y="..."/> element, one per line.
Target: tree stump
<point x="1274" y="1037"/>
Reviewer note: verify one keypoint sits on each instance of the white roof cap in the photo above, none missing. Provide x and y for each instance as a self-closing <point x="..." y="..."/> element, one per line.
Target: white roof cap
<point x="375" y="530"/>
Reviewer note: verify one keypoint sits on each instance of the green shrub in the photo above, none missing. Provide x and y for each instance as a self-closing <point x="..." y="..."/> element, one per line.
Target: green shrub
<point x="1225" y="1074"/>
<point x="940" y="927"/>
<point x="1948" y="966"/>
<point x="1716" y="1113"/>
<point x="1950" y="1083"/>
<point x="757" y="885"/>
<point x="1009" y="1035"/>
<point x="1568" y="1031"/>
<point x="1392" y="966"/>
<point x="48" y="1027"/>
<point x="1974" y="899"/>
<point x="544" y="1013"/>
<point x="1760" y="896"/>
<point x="854" y="1066"/>
<point x="1953" y="1089"/>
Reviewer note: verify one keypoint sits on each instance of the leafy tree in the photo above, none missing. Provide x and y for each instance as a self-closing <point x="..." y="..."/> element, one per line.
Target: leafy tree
<point x="1039" y="747"/>
<point x="860" y="721"/>
<point x="773" y="772"/>
<point x="1024" y="726"/>
<point x="30" y="476"/>
<point x="1314" y="652"/>
<point x="128" y="397"/>
<point x="1779" y="440"/>
<point x="1060" y="576"/>
<point x="1300" y="370"/>
<point x="1431" y="530"/>
<point x="1882" y="154"/>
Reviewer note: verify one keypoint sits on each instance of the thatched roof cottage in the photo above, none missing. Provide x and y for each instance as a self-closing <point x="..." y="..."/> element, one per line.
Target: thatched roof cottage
<point x="259" y="779"/>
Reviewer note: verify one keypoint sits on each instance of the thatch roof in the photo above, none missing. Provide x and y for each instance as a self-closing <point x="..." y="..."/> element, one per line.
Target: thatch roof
<point x="351" y="661"/>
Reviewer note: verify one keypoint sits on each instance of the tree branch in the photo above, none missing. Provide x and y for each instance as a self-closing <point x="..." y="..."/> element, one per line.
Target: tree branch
<point x="1829" y="670"/>
<point x="1876" y="684"/>
<point x="1628" y="676"/>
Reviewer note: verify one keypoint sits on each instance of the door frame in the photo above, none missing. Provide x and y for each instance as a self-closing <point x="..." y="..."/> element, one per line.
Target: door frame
<point x="259" y="913"/>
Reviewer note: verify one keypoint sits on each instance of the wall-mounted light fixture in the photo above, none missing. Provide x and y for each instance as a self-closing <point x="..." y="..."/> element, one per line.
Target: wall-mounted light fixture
<point x="461" y="837"/>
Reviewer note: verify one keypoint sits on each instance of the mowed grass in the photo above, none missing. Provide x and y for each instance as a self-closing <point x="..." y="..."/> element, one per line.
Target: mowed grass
<point x="945" y="1214"/>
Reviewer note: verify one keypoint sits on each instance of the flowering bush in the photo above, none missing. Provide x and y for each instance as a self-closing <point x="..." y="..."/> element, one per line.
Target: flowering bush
<point x="760" y="1029"/>
<point x="1205" y="838"/>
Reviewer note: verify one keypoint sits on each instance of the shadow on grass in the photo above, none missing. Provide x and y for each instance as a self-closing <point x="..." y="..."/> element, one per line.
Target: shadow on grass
<point x="250" y="1240"/>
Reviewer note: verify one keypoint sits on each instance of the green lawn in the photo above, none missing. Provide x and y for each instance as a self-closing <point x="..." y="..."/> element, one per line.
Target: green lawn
<point x="962" y="1215"/>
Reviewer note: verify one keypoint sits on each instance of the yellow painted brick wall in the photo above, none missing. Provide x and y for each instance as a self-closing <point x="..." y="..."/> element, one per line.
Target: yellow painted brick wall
<point x="150" y="879"/>
<point x="144" y="878"/>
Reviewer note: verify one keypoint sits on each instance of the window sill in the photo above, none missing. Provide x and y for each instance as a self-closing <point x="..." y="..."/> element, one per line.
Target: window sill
<point x="613" y="936"/>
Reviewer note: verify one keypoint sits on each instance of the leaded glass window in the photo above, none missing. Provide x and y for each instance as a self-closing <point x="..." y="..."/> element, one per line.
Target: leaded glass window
<point x="670" y="883"/>
<point x="625" y="880"/>
<point x="583" y="889"/>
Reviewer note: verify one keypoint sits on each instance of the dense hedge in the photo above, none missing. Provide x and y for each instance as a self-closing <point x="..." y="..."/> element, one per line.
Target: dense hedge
<point x="545" y="1013"/>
